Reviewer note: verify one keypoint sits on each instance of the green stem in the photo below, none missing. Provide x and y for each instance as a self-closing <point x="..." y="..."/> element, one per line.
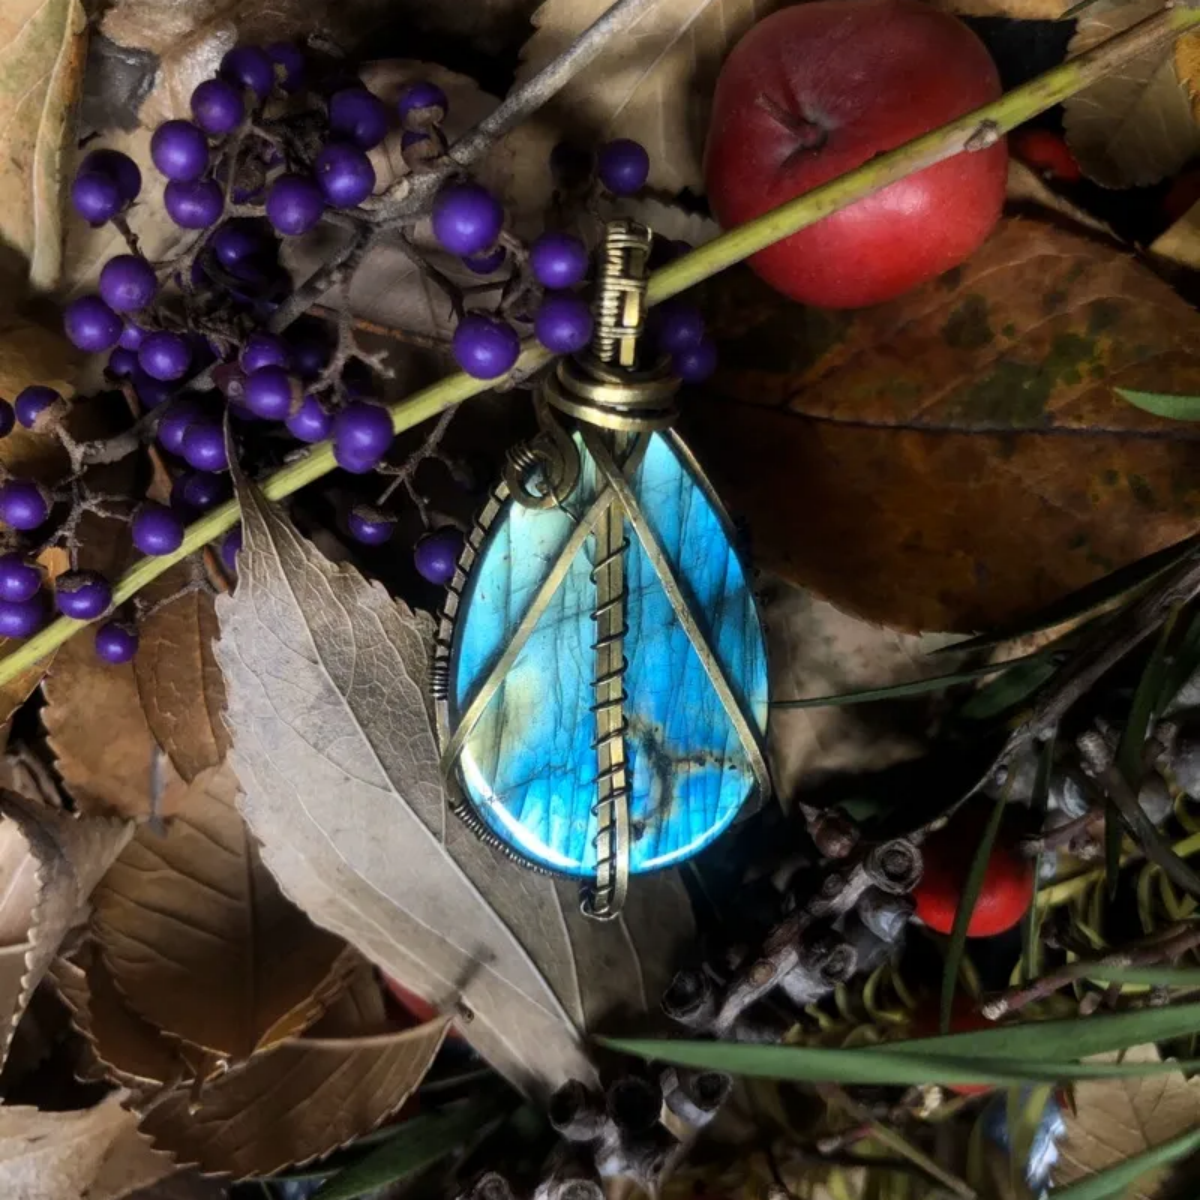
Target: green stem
<point x="975" y="130"/>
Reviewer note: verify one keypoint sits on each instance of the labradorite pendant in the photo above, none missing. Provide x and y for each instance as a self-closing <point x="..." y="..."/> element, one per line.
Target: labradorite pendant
<point x="601" y="668"/>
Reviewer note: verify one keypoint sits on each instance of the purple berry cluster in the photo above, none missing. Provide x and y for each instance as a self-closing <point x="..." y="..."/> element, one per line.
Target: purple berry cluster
<point x="275" y="144"/>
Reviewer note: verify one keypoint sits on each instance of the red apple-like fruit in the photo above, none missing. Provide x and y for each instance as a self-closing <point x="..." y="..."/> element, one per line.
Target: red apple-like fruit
<point x="814" y="91"/>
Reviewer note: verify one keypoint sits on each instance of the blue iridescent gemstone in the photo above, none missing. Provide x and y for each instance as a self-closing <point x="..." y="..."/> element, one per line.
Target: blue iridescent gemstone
<point x="527" y="763"/>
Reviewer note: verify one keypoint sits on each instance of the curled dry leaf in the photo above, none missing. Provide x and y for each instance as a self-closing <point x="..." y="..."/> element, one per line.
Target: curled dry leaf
<point x="197" y="904"/>
<point x="1135" y="126"/>
<point x="42" y="51"/>
<point x="51" y="862"/>
<point x="328" y="683"/>
<point x="1020" y="10"/>
<point x="109" y="766"/>
<point x="96" y="1154"/>
<point x="1114" y="1119"/>
<point x="298" y="1101"/>
<point x="125" y="1048"/>
<point x="183" y="694"/>
<point x="1027" y="190"/>
<point x="958" y="457"/>
<point x="359" y="1009"/>
<point x="816" y="650"/>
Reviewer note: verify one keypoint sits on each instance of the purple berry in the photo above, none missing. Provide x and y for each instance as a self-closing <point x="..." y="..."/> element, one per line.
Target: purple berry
<point x="486" y="263"/>
<point x="249" y="66"/>
<point x="271" y="393"/>
<point x="194" y="205"/>
<point x="311" y="345"/>
<point x="156" y="529"/>
<point x="132" y="336"/>
<point x="24" y="504"/>
<point x="422" y="104"/>
<point x="231" y="544"/>
<point x="19" y="578"/>
<point x="563" y="323"/>
<point x="83" y="595"/>
<point x="179" y="415"/>
<point x="623" y="166"/>
<point x="165" y="355"/>
<point x="484" y="347"/>
<point x="116" y="642"/>
<point x="91" y="324"/>
<point x="19" y="620"/>
<point x="8" y="418"/>
<point x="358" y="116"/>
<point x="370" y="526"/>
<point x="32" y="402"/>
<point x="241" y="241"/>
<point x="679" y="327"/>
<point x="264" y="350"/>
<point x="195" y="492"/>
<point x="118" y="167"/>
<point x="179" y="150"/>
<point x="150" y="391"/>
<point x="294" y="204"/>
<point x="345" y="174"/>
<point x="127" y="283"/>
<point x="122" y="363"/>
<point x="436" y="555"/>
<point x="204" y="447"/>
<point x="291" y="58"/>
<point x="467" y="218"/>
<point x="96" y="197"/>
<point x="311" y="422"/>
<point x="218" y="107"/>
<point x="696" y="363"/>
<point x="559" y="260"/>
<point x="362" y="434"/>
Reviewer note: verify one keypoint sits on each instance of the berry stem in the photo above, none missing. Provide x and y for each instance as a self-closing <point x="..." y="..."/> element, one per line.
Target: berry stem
<point x="973" y="131"/>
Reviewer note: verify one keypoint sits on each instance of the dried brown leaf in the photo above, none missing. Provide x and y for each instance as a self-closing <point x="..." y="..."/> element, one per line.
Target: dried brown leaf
<point x="126" y="1048"/>
<point x="293" y="1103"/>
<point x="1020" y="10"/>
<point x="183" y="694"/>
<point x="1135" y="126"/>
<point x="1180" y="243"/>
<point x="51" y="863"/>
<point x="111" y="765"/>
<point x="31" y="353"/>
<point x="96" y="1154"/>
<point x="359" y="1010"/>
<point x="1115" y="1119"/>
<point x="1027" y="190"/>
<point x="328" y="683"/>
<point x="198" y="904"/>
<point x="957" y="458"/>
<point x="1187" y="68"/>
<point x="816" y="649"/>
<point x="653" y="83"/>
<point x="42" y="50"/>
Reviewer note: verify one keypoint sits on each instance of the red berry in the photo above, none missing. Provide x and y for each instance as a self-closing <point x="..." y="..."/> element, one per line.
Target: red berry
<point x="1046" y="153"/>
<point x="818" y="89"/>
<point x="1008" y="883"/>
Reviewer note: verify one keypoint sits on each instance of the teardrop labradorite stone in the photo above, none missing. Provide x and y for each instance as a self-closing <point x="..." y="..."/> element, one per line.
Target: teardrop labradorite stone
<point x="529" y="766"/>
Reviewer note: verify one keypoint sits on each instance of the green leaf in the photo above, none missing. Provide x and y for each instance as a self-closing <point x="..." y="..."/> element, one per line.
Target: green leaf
<point x="917" y="687"/>
<point x="967" y="900"/>
<point x="1009" y="690"/>
<point x="879" y="1065"/>
<point x="417" y="1144"/>
<point x="1131" y="749"/>
<point x="1112" y="1182"/>
<point x="1183" y="662"/>
<point x="1066" y="1039"/>
<point x="1174" y="408"/>
<point x="1162" y="976"/>
<point x="1085" y="599"/>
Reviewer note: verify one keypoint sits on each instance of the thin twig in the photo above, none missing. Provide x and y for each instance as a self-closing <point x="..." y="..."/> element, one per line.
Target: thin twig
<point x="413" y="194"/>
<point x="1166" y="947"/>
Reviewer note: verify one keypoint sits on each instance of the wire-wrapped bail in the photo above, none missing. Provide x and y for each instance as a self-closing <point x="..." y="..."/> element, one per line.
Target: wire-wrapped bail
<point x="612" y="385"/>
